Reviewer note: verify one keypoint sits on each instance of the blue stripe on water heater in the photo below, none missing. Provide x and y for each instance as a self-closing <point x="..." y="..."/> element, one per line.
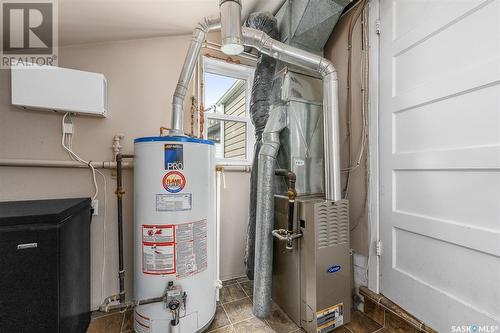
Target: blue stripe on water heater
<point x="174" y="139"/>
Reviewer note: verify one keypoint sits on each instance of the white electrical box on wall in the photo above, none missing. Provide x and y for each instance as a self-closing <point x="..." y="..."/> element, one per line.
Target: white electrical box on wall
<point x="47" y="88"/>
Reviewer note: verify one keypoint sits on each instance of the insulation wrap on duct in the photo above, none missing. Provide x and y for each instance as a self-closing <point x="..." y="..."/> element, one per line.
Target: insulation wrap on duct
<point x="260" y="104"/>
<point x="265" y="212"/>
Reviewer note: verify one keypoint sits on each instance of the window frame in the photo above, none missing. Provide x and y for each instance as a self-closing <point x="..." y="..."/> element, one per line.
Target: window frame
<point x="241" y="72"/>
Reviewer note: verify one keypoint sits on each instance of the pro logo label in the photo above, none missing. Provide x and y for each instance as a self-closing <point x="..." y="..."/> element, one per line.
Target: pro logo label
<point x="174" y="181"/>
<point x="174" y="157"/>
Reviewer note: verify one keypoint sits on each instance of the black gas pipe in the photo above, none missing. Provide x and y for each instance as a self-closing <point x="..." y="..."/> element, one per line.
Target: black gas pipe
<point x="119" y="194"/>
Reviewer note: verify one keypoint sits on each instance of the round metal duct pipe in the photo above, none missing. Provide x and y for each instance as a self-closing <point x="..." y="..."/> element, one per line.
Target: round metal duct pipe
<point x="230" y="17"/>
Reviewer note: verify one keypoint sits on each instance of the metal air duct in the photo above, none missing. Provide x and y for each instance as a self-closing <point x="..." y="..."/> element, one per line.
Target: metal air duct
<point x="267" y="156"/>
<point x="199" y="36"/>
<point x="230" y="16"/>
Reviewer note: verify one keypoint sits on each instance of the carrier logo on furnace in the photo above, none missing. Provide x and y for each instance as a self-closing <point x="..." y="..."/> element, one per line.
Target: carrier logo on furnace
<point x="174" y="181"/>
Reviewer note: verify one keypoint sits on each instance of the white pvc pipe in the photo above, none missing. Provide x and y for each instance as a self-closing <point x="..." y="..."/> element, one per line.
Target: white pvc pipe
<point x="10" y="162"/>
<point x="176" y="328"/>
<point x="61" y="164"/>
<point x="234" y="168"/>
<point x="217" y="221"/>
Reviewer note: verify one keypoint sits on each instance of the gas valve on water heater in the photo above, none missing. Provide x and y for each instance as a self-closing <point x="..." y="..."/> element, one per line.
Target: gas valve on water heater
<point x="175" y="300"/>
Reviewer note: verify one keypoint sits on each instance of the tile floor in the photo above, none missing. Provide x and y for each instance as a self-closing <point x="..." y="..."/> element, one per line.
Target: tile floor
<point x="234" y="315"/>
<point x="234" y="312"/>
<point x="115" y="322"/>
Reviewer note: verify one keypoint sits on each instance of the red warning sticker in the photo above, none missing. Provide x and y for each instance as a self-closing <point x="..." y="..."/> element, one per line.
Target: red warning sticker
<point x="175" y="249"/>
<point x="158" y="249"/>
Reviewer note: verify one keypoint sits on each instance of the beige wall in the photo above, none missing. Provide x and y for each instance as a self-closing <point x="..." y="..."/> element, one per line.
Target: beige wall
<point x="235" y="198"/>
<point x="141" y="77"/>
<point x="337" y="51"/>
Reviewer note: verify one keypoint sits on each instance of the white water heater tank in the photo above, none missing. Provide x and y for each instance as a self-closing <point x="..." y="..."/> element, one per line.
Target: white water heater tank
<point x="175" y="231"/>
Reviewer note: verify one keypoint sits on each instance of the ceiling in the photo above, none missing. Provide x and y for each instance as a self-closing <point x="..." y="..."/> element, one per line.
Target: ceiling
<point x="94" y="21"/>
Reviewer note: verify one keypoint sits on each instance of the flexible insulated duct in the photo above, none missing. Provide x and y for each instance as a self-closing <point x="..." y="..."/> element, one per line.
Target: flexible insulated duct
<point x="267" y="156"/>
<point x="259" y="112"/>
<point x="265" y="212"/>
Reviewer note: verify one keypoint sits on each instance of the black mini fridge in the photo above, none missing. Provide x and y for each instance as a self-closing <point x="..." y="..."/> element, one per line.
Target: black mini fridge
<point x="45" y="266"/>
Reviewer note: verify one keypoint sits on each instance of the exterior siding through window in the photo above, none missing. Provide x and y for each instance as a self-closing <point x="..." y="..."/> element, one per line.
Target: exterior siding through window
<point x="234" y="104"/>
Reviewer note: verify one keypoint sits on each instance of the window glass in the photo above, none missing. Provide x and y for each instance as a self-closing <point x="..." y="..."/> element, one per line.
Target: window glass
<point x="224" y="95"/>
<point x="227" y="90"/>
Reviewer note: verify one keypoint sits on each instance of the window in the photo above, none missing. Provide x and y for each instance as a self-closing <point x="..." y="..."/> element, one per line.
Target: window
<point x="227" y="119"/>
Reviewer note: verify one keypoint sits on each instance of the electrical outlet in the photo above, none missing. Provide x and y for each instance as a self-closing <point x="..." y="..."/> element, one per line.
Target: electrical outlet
<point x="95" y="207"/>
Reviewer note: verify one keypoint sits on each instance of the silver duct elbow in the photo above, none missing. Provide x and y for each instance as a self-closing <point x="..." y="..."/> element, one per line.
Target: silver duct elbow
<point x="292" y="55"/>
<point x="199" y="36"/>
<point x="209" y="23"/>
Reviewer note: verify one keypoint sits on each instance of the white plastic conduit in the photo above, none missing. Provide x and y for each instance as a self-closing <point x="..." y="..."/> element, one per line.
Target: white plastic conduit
<point x="61" y="164"/>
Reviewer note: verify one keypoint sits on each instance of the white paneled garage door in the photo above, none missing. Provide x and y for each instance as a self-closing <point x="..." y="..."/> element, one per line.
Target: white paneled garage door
<point x="439" y="155"/>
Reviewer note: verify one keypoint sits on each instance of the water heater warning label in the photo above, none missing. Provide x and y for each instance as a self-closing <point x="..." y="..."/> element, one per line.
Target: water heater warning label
<point x="158" y="233"/>
<point x="158" y="249"/>
<point x="174" y="202"/>
<point x="174" y="249"/>
<point x="191" y="248"/>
